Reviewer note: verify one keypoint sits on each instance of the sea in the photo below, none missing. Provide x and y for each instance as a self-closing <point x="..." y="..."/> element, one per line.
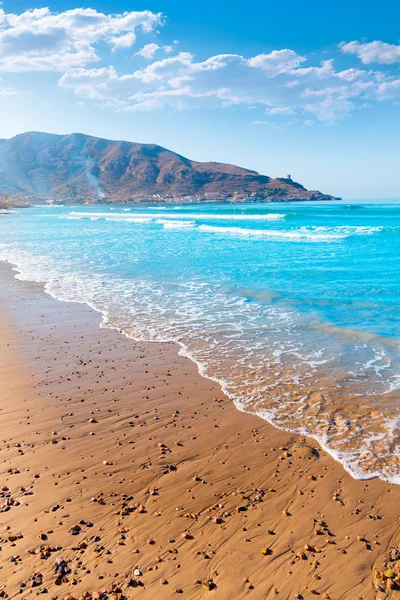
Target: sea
<point x="292" y="307"/>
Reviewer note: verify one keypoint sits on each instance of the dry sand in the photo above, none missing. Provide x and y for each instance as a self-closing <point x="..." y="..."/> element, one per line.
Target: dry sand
<point x="126" y="474"/>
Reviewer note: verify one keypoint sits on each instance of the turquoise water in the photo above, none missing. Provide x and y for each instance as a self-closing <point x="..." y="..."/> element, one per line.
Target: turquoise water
<point x="293" y="307"/>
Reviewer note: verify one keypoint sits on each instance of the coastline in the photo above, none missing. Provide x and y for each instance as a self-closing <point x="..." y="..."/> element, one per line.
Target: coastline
<point x="174" y="444"/>
<point x="183" y="350"/>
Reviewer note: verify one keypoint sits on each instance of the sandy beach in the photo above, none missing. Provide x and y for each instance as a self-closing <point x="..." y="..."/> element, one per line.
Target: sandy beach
<point x="124" y="473"/>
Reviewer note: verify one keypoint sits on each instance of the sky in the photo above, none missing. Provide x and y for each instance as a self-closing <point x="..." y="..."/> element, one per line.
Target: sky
<point x="309" y="89"/>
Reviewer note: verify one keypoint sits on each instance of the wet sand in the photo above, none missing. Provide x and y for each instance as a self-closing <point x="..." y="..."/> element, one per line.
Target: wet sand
<point x="126" y="474"/>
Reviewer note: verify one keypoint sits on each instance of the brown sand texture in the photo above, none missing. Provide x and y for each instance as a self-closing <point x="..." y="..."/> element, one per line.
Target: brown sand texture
<point x="125" y="474"/>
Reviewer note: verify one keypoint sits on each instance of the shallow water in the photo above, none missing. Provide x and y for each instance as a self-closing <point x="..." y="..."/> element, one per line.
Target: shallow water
<point x="293" y="307"/>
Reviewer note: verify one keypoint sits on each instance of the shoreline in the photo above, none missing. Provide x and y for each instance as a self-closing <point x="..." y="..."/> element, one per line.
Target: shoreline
<point x="228" y="485"/>
<point x="183" y="351"/>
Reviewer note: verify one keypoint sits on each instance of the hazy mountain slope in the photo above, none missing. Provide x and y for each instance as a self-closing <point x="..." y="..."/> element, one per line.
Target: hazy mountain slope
<point x="79" y="167"/>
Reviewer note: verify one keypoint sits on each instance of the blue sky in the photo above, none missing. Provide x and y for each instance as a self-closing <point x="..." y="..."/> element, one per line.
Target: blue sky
<point x="311" y="89"/>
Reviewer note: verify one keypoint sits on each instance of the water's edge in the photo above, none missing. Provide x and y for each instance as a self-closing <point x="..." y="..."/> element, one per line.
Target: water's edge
<point x="183" y="351"/>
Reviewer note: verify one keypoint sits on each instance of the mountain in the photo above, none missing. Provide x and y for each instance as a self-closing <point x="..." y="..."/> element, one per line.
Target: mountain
<point x="81" y="168"/>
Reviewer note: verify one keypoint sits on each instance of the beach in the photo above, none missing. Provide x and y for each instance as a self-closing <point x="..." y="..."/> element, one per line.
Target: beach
<point x="278" y="311"/>
<point x="126" y="473"/>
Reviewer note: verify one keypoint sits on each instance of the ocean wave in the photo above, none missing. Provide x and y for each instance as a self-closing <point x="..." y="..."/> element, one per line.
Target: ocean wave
<point x="130" y="219"/>
<point x="48" y="205"/>
<point x="171" y="224"/>
<point x="117" y="218"/>
<point x="296" y="235"/>
<point x="352" y="229"/>
<point x="309" y="234"/>
<point x="187" y="221"/>
<point x="197" y="216"/>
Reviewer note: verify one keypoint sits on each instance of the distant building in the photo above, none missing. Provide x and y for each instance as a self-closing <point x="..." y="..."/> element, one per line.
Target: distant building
<point x="289" y="177"/>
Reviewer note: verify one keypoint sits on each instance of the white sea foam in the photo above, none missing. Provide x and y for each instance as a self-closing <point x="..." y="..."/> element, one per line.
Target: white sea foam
<point x="349" y="229"/>
<point x="177" y="220"/>
<point x="348" y="460"/>
<point x="301" y="234"/>
<point x="175" y="224"/>
<point x="197" y="216"/>
<point x="130" y="219"/>
<point x="295" y="235"/>
<point x="117" y="218"/>
<point x="48" y="205"/>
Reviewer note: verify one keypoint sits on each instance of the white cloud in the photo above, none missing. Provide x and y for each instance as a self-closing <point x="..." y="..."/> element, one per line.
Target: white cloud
<point x="326" y="69"/>
<point x="272" y="82"/>
<point x="148" y="51"/>
<point x="277" y="61"/>
<point x="281" y="110"/>
<point x="124" y="41"/>
<point x="389" y="90"/>
<point x="281" y="82"/>
<point x="7" y="92"/>
<point x="41" y="40"/>
<point x="330" y="107"/>
<point x="373" y="52"/>
<point x="351" y="74"/>
<point x="170" y="47"/>
<point x="264" y="122"/>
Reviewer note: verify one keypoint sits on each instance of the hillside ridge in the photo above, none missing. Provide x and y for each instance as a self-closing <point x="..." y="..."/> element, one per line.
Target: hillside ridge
<point x="76" y="168"/>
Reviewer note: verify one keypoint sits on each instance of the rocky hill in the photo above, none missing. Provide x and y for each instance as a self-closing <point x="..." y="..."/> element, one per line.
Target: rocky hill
<point x="81" y="168"/>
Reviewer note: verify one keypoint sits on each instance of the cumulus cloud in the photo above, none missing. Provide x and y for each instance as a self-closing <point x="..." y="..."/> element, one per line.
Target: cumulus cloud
<point x="373" y="52"/>
<point x="41" y="40"/>
<point x="277" y="61"/>
<point x="275" y="82"/>
<point x="148" y="51"/>
<point x="281" y="82"/>
<point x="389" y="90"/>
